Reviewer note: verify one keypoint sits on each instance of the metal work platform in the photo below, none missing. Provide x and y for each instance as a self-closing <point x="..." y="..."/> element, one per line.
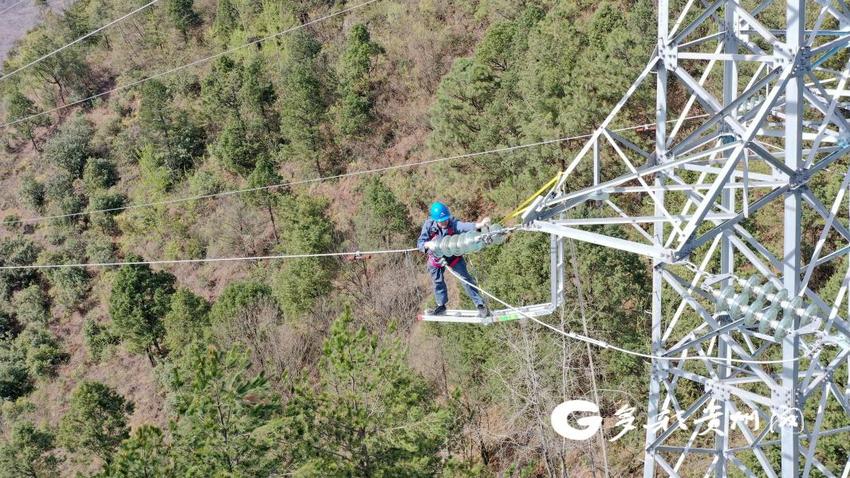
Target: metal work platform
<point x="503" y="315"/>
<point x="556" y="297"/>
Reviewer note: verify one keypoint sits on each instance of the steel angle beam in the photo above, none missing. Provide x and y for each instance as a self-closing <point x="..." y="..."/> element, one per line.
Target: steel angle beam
<point x="647" y="250"/>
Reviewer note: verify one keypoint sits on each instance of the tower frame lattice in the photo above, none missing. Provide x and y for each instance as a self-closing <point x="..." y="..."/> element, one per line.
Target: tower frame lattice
<point x="750" y="129"/>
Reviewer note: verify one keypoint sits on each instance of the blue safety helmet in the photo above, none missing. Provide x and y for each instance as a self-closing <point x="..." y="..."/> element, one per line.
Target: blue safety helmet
<point x="440" y="212"/>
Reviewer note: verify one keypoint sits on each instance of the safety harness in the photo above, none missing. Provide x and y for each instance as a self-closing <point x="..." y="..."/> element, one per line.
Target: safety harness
<point x="432" y="260"/>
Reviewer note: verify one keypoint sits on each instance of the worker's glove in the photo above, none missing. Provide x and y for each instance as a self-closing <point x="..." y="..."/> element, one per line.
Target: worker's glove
<point x="429" y="245"/>
<point x="483" y="223"/>
<point x="442" y="262"/>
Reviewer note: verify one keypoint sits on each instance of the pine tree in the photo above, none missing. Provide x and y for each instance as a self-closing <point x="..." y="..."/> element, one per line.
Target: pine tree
<point x="265" y="174"/>
<point x="302" y="108"/>
<point x="96" y="421"/>
<point x="70" y="148"/>
<point x="19" y="106"/>
<point x="185" y="320"/>
<point x="227" y="421"/>
<point x="145" y="454"/>
<point x="226" y="21"/>
<point x="354" y="106"/>
<point x="183" y="15"/>
<point x="140" y="299"/>
<point x="28" y="453"/>
<point x="371" y="414"/>
<point x="309" y="231"/>
<point x="382" y="220"/>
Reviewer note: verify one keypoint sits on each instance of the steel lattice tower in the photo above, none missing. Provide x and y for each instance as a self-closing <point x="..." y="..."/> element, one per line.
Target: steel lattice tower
<point x="750" y="131"/>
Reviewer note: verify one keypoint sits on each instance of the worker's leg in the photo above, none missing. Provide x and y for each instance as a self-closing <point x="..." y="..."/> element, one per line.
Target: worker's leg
<point x="472" y="292"/>
<point x="441" y="292"/>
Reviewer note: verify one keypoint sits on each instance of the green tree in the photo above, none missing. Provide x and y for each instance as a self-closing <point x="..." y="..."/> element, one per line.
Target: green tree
<point x="220" y="89"/>
<point x="68" y="73"/>
<point x="68" y="285"/>
<point x="31" y="306"/>
<point x="183" y="15"/>
<point x="96" y="420"/>
<point x="98" y="338"/>
<point x="458" y="115"/>
<point x="309" y="231"/>
<point x="28" y="453"/>
<point x="17" y="252"/>
<point x="170" y="129"/>
<point x="140" y="299"/>
<point x="64" y="199"/>
<point x="154" y="107"/>
<point x="235" y="297"/>
<point x="144" y="455"/>
<point x="353" y="109"/>
<point x="19" y="107"/>
<point x="381" y="219"/>
<point x="226" y="21"/>
<point x="263" y="175"/>
<point x="69" y="147"/>
<point x="41" y="351"/>
<point x="109" y="204"/>
<point x="15" y="380"/>
<point x="185" y="321"/>
<point x="156" y="179"/>
<point x="236" y="148"/>
<point x="99" y="173"/>
<point x="32" y="193"/>
<point x="302" y="108"/>
<point x="372" y="415"/>
<point x="228" y="421"/>
<point x="257" y="99"/>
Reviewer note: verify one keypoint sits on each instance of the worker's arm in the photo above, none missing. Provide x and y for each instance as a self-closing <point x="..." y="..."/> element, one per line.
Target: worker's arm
<point x="424" y="237"/>
<point x="471" y="226"/>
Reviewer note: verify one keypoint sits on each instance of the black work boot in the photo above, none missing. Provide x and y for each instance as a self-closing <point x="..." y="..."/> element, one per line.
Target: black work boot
<point x="483" y="311"/>
<point x="439" y="310"/>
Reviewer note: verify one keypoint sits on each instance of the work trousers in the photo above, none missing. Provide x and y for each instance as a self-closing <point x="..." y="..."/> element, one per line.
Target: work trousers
<point x="441" y="292"/>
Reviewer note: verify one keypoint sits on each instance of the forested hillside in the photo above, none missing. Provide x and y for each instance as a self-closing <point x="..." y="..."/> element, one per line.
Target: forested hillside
<point x="313" y="366"/>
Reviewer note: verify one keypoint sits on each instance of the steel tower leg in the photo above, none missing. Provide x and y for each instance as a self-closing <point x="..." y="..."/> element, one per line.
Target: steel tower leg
<point x="657" y="367"/>
<point x="727" y="257"/>
<point x="790" y="440"/>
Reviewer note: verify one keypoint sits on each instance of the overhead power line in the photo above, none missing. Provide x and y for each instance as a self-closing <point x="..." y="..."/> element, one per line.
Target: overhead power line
<point x="207" y="259"/>
<point x="572" y="335"/>
<point x="233" y="192"/>
<point x="187" y="65"/>
<point x="87" y="35"/>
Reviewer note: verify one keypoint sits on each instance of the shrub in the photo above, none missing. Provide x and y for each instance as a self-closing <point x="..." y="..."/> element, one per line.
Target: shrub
<point x="98" y="338"/>
<point x="96" y="421"/>
<point x="184" y="322"/>
<point x="41" y="351"/>
<point x="15" y="380"/>
<point x="70" y="147"/>
<point x="31" y="306"/>
<point x="106" y="202"/>
<point x="99" y="173"/>
<point x="32" y="193"/>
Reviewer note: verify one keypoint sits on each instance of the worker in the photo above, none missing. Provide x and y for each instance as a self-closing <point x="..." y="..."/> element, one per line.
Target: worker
<point x="441" y="224"/>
